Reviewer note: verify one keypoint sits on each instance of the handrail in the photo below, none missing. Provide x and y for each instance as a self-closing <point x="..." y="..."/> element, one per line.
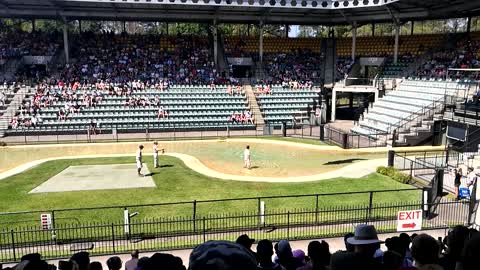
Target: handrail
<point x="417" y="114"/>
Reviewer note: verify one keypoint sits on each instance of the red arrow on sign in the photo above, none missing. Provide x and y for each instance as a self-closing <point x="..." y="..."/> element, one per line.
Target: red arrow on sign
<point x="408" y="225"/>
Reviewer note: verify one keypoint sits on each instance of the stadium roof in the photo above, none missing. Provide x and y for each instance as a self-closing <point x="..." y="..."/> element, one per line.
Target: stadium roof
<point x="323" y="12"/>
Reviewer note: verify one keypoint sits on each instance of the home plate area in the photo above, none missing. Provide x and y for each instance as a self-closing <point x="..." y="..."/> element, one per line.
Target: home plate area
<point x="97" y="177"/>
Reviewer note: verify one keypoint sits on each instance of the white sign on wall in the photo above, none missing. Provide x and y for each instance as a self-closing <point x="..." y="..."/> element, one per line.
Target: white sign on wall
<point x="410" y="220"/>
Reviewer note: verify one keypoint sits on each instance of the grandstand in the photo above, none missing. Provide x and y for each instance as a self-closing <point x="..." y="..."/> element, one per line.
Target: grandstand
<point x="332" y="91"/>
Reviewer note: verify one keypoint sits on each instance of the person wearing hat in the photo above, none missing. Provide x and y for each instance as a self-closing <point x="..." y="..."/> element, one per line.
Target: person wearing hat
<point x="246" y="242"/>
<point x="365" y="242"/>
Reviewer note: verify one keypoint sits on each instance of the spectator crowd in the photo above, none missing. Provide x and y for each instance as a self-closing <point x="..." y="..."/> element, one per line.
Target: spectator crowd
<point x="458" y="251"/>
<point x="464" y="55"/>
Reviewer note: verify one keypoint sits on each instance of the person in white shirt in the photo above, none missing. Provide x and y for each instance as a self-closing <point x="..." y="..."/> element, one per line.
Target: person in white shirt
<point x="155" y="154"/>
<point x="471" y="179"/>
<point x="246" y="158"/>
<point x="138" y="159"/>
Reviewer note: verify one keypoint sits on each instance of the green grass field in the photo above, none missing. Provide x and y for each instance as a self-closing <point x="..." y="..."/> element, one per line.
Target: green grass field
<point x="175" y="183"/>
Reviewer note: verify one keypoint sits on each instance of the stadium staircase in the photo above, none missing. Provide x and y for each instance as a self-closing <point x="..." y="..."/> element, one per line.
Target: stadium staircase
<point x="408" y="112"/>
<point x="12" y="109"/>
<point x="254" y="108"/>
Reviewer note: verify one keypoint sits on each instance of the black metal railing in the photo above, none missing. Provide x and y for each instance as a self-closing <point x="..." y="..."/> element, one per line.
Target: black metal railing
<point x="195" y="208"/>
<point x="349" y="140"/>
<point x="61" y="241"/>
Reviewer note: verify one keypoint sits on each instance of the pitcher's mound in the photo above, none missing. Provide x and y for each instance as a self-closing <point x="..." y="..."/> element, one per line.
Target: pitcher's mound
<point x="97" y="177"/>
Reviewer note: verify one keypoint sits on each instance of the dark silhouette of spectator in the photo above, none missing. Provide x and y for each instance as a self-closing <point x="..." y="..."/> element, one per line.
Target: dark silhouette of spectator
<point x="221" y="255"/>
<point x="455" y="242"/>
<point x="392" y="260"/>
<point x="366" y="243"/>
<point x="264" y="255"/>
<point x="246" y="242"/>
<point x="425" y="251"/>
<point x="82" y="259"/>
<point x="406" y="241"/>
<point x="348" y="247"/>
<point x="470" y="255"/>
<point x="318" y="256"/>
<point x="285" y="256"/>
<point x="114" y="263"/>
<point x="95" y="266"/>
<point x="141" y="262"/>
<point x="163" y="261"/>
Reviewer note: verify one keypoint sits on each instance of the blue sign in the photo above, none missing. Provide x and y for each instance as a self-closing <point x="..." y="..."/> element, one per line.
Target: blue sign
<point x="464" y="192"/>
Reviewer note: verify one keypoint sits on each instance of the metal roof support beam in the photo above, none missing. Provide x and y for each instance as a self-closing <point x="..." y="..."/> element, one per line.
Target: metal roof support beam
<point x="354" y="40"/>
<point x="260" y="43"/>
<point x="395" y="48"/>
<point x="65" y="42"/>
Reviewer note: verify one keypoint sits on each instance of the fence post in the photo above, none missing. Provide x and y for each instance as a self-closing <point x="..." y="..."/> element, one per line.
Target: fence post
<point x="13" y="245"/>
<point x="194" y="215"/>
<point x="391" y="158"/>
<point x="53" y="219"/>
<point x="316" y="209"/>
<point x="447" y="157"/>
<point x="473" y="202"/>
<point x="344" y="140"/>
<point x="113" y="238"/>
<point x="411" y="168"/>
<point x="204" y="229"/>
<point x="288" y="225"/>
<point x="322" y="133"/>
<point x="426" y="201"/>
<point x="259" y="211"/>
<point x="370" y="206"/>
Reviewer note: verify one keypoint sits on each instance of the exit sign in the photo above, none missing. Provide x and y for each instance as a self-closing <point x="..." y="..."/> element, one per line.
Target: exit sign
<point x="410" y="220"/>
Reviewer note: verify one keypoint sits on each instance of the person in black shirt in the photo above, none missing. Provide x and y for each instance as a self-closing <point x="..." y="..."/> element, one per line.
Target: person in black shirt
<point x="457" y="183"/>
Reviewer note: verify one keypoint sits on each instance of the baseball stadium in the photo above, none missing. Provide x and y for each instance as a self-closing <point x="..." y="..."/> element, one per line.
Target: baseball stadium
<point x="239" y="135"/>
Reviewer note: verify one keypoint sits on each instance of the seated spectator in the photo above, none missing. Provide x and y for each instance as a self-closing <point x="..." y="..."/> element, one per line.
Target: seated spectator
<point x="162" y="113"/>
<point x="82" y="259"/>
<point x="285" y="256"/>
<point x="95" y="266"/>
<point x="365" y="242"/>
<point x="469" y="259"/>
<point x="318" y="256"/>
<point x="62" y="115"/>
<point x="114" y="263"/>
<point x="246" y="242"/>
<point x="455" y="241"/>
<point x="221" y="255"/>
<point x="164" y="262"/>
<point x="425" y="252"/>
<point x="133" y="262"/>
<point x="265" y="253"/>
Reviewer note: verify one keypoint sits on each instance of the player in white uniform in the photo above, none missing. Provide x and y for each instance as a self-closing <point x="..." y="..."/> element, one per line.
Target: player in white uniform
<point x="155" y="154"/>
<point x="138" y="159"/>
<point x="246" y="158"/>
